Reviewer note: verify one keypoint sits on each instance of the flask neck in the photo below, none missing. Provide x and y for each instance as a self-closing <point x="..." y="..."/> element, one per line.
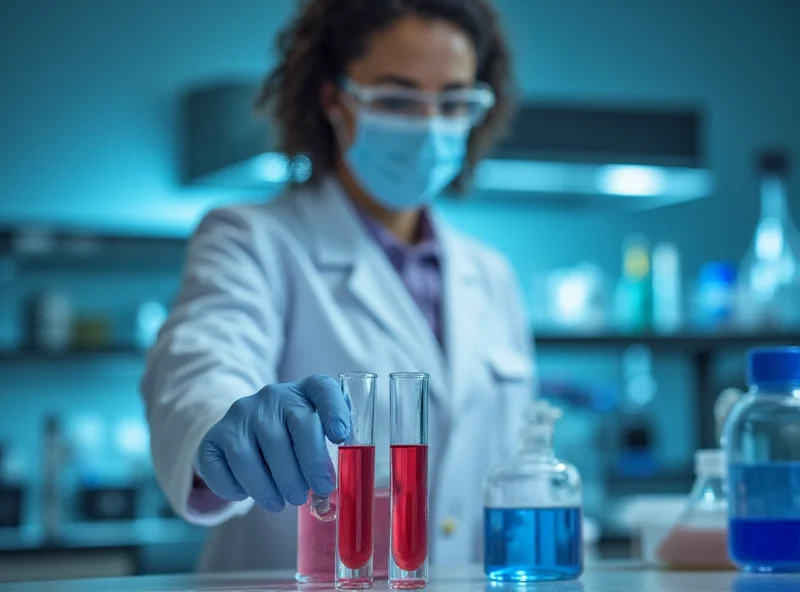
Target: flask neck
<point x="709" y="488"/>
<point x="537" y="443"/>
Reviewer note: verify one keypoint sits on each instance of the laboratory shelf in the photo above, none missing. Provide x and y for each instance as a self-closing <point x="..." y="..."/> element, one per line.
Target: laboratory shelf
<point x="30" y="249"/>
<point x="72" y="355"/>
<point x="702" y="349"/>
<point x="687" y="341"/>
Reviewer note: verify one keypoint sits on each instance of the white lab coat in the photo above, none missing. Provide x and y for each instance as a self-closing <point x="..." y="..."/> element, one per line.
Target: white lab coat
<point x="278" y="291"/>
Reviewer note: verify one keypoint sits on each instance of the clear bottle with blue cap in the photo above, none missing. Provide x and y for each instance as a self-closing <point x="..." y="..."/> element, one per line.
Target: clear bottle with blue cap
<point x="762" y="443"/>
<point x="533" y="516"/>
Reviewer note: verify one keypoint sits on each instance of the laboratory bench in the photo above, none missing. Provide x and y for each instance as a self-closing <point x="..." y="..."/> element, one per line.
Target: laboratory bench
<point x="599" y="577"/>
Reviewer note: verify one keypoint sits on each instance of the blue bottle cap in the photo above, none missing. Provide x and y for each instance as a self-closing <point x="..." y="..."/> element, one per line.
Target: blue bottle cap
<point x="773" y="365"/>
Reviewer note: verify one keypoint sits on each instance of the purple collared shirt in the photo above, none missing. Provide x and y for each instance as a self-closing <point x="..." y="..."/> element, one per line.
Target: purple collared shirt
<point x="419" y="266"/>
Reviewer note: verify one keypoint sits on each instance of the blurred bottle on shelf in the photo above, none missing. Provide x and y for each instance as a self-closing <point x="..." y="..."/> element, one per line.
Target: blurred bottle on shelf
<point x="55" y="451"/>
<point x="637" y="445"/>
<point x="634" y="298"/>
<point x="666" y="288"/>
<point x="715" y="296"/>
<point x="575" y="298"/>
<point x="48" y="322"/>
<point x="12" y="486"/>
<point x="150" y="316"/>
<point x="769" y="278"/>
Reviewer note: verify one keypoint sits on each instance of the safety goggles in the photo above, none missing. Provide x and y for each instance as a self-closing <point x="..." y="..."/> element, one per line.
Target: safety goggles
<point x="471" y="104"/>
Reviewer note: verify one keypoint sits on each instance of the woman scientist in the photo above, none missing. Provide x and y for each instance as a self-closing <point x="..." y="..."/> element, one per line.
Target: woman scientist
<point x="393" y="102"/>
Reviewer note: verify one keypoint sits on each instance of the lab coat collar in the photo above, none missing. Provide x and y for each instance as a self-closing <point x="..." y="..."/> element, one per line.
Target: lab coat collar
<point x="340" y="241"/>
<point x="333" y="223"/>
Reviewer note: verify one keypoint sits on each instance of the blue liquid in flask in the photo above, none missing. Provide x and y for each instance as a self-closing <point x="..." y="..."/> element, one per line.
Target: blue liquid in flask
<point x="533" y="544"/>
<point x="769" y="542"/>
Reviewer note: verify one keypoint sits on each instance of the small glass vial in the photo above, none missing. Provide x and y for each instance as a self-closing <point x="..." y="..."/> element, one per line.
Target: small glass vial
<point x="762" y="442"/>
<point x="533" y="515"/>
<point x="699" y="539"/>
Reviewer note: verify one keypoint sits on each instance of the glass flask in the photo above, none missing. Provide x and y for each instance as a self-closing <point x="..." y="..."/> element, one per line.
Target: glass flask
<point x="769" y="276"/>
<point x="533" y="509"/>
<point x="699" y="538"/>
<point x="762" y="442"/>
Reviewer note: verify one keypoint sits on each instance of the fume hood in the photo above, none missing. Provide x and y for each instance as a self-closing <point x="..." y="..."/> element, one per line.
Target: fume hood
<point x="567" y="153"/>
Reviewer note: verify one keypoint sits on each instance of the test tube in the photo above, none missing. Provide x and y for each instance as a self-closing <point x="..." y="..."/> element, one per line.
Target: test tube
<point x="356" y="486"/>
<point x="408" y="432"/>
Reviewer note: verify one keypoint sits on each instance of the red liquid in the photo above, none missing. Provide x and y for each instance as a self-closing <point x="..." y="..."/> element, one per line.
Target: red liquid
<point x="356" y="494"/>
<point x="409" y="505"/>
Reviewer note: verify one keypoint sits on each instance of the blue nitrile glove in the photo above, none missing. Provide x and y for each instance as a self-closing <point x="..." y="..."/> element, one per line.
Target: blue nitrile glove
<point x="271" y="446"/>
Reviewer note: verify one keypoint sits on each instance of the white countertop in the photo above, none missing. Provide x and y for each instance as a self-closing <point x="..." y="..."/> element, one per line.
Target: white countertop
<point x="601" y="577"/>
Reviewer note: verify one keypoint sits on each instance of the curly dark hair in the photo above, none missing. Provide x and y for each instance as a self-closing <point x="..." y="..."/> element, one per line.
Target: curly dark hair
<point x="328" y="35"/>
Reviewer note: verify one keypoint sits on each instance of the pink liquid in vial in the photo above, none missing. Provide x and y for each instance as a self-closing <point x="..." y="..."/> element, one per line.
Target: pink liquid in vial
<point x="410" y="510"/>
<point x="316" y="546"/>
<point x="356" y="497"/>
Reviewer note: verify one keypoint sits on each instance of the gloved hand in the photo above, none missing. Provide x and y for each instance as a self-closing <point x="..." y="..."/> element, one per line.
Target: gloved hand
<point x="271" y="446"/>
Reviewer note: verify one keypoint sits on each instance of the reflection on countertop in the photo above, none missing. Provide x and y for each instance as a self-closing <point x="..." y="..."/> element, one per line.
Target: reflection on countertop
<point x="599" y="577"/>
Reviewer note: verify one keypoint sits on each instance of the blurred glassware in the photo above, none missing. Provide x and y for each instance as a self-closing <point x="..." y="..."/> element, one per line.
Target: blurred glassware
<point x="723" y="406"/>
<point x="87" y="433"/>
<point x="56" y="456"/>
<point x="48" y="322"/>
<point x="596" y="397"/>
<point x="715" y="296"/>
<point x="575" y="298"/>
<point x="634" y="295"/>
<point x="769" y="278"/>
<point x="637" y="454"/>
<point x="699" y="538"/>
<point x="150" y="316"/>
<point x="92" y="332"/>
<point x="667" y="312"/>
<point x="12" y="492"/>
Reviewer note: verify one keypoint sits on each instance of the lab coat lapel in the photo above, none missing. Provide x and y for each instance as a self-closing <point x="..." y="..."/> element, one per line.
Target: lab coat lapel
<point x="464" y="305"/>
<point x="341" y="239"/>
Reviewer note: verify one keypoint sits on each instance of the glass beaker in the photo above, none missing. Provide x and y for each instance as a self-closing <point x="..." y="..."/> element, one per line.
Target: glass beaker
<point x="408" y="427"/>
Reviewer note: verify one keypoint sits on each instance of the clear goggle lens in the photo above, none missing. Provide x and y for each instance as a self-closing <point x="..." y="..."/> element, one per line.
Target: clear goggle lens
<point x="471" y="104"/>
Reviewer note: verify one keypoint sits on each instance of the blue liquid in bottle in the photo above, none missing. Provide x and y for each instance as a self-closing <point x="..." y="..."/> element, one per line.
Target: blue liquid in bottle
<point x="764" y="536"/>
<point x="533" y="544"/>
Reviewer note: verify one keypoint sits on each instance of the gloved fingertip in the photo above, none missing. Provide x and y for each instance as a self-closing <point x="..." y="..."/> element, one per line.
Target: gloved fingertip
<point x="297" y="496"/>
<point x="339" y="431"/>
<point x="272" y="505"/>
<point x="324" y="486"/>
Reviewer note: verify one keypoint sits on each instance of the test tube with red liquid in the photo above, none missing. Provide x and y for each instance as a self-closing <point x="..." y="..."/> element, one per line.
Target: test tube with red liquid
<point x="356" y="486"/>
<point x="408" y="432"/>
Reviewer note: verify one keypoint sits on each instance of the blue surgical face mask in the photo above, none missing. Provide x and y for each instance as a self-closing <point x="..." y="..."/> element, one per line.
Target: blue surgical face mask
<point x="404" y="163"/>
